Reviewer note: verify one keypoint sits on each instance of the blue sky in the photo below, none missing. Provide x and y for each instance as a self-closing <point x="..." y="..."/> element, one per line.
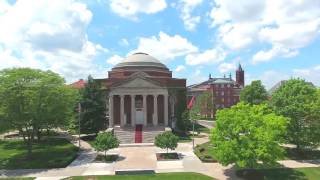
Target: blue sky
<point x="273" y="40"/>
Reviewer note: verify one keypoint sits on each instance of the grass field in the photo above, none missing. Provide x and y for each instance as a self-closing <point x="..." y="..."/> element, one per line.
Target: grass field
<point x="200" y="128"/>
<point x="161" y="176"/>
<point x="284" y="174"/>
<point x="205" y="152"/>
<point x="49" y="153"/>
<point x="23" y="178"/>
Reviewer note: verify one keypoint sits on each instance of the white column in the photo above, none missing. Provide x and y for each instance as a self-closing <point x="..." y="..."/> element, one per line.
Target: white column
<point x="122" y="123"/>
<point x="144" y="109"/>
<point x="165" y="109"/>
<point x="133" y="110"/>
<point x="155" y="109"/>
<point x="110" y="110"/>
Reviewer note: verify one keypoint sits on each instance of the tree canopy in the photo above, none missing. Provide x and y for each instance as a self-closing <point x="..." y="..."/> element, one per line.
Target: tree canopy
<point x="299" y="101"/>
<point x="33" y="100"/>
<point x="246" y="134"/>
<point x="93" y="106"/>
<point x="105" y="141"/>
<point x="167" y="140"/>
<point x="203" y="106"/>
<point x="255" y="93"/>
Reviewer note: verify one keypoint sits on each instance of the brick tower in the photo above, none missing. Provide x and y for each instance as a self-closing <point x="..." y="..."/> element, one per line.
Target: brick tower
<point x="240" y="76"/>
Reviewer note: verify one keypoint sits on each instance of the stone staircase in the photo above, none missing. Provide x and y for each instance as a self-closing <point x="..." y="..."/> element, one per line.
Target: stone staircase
<point x="149" y="133"/>
<point x="126" y="135"/>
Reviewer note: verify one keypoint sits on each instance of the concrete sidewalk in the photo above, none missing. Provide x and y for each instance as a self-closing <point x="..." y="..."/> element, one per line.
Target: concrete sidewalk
<point x="142" y="158"/>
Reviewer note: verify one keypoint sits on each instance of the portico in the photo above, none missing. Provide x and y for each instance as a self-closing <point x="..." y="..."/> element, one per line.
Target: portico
<point x="141" y="98"/>
<point x="138" y="102"/>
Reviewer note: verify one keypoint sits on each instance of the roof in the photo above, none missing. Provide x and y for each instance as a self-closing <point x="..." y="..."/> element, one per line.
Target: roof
<point x="140" y="59"/>
<point x="79" y="84"/>
<point x="276" y="87"/>
<point x="213" y="81"/>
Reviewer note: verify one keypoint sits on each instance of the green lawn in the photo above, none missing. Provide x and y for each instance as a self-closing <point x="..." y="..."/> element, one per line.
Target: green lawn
<point x="161" y="176"/>
<point x="284" y="174"/>
<point x="186" y="137"/>
<point x="22" y="178"/>
<point x="200" y="128"/>
<point x="49" y="153"/>
<point x="205" y="152"/>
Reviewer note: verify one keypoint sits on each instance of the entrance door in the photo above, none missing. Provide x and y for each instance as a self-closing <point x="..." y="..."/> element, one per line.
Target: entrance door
<point x="139" y="117"/>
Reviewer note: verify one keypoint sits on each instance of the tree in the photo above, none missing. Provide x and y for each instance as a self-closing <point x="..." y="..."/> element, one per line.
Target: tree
<point x="181" y="106"/>
<point x="299" y="101"/>
<point x="93" y="105"/>
<point x="105" y="141"/>
<point x="167" y="140"/>
<point x="204" y="104"/>
<point x="255" y="93"/>
<point x="245" y="134"/>
<point x="33" y="100"/>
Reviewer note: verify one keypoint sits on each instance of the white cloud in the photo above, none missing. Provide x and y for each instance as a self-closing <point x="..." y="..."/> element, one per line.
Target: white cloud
<point x="165" y="47"/>
<point x="227" y="67"/>
<point x="270" y="78"/>
<point x="309" y="74"/>
<point x="48" y="35"/>
<point x="289" y="24"/>
<point x="115" y="59"/>
<point x="276" y="51"/>
<point x="196" y="77"/>
<point x="186" y="7"/>
<point x="123" y="42"/>
<point x="210" y="56"/>
<point x="237" y="36"/>
<point x="180" y="68"/>
<point x="130" y="8"/>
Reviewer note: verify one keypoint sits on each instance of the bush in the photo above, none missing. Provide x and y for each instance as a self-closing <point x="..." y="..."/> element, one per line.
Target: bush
<point x="167" y="140"/>
<point x="105" y="141"/>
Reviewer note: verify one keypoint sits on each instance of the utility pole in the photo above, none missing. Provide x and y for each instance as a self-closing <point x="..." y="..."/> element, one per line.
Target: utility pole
<point x="79" y="112"/>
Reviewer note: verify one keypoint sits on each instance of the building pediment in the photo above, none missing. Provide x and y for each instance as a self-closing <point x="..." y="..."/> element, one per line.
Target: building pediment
<point x="138" y="82"/>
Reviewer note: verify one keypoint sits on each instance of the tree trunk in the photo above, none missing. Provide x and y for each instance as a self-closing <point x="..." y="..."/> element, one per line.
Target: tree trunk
<point x="38" y="135"/>
<point x="29" y="145"/>
<point x="105" y="154"/>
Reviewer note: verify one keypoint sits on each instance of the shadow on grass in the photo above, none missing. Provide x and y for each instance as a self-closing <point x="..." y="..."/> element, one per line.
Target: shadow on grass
<point x="307" y="154"/>
<point x="49" y="153"/>
<point x="271" y="174"/>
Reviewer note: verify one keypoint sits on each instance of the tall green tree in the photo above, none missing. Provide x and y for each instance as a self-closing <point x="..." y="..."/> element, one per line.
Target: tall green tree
<point x="255" y="93"/>
<point x="93" y="106"/>
<point x="247" y="134"/>
<point x="204" y="105"/>
<point x="299" y="101"/>
<point x="34" y="100"/>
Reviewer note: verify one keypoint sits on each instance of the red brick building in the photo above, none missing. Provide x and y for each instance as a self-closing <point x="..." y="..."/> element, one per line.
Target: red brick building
<point x="226" y="91"/>
<point x="140" y="91"/>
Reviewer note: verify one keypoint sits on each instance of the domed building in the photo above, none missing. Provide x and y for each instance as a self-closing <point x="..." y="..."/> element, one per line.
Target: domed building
<point x="143" y="98"/>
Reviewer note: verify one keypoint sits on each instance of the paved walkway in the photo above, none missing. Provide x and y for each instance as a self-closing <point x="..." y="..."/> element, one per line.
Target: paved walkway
<point x="141" y="158"/>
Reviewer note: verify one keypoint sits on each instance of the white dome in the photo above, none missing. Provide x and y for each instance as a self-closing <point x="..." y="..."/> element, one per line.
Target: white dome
<point x="140" y="59"/>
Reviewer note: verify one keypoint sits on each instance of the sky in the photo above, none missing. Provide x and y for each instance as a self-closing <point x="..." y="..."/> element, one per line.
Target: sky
<point x="272" y="39"/>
